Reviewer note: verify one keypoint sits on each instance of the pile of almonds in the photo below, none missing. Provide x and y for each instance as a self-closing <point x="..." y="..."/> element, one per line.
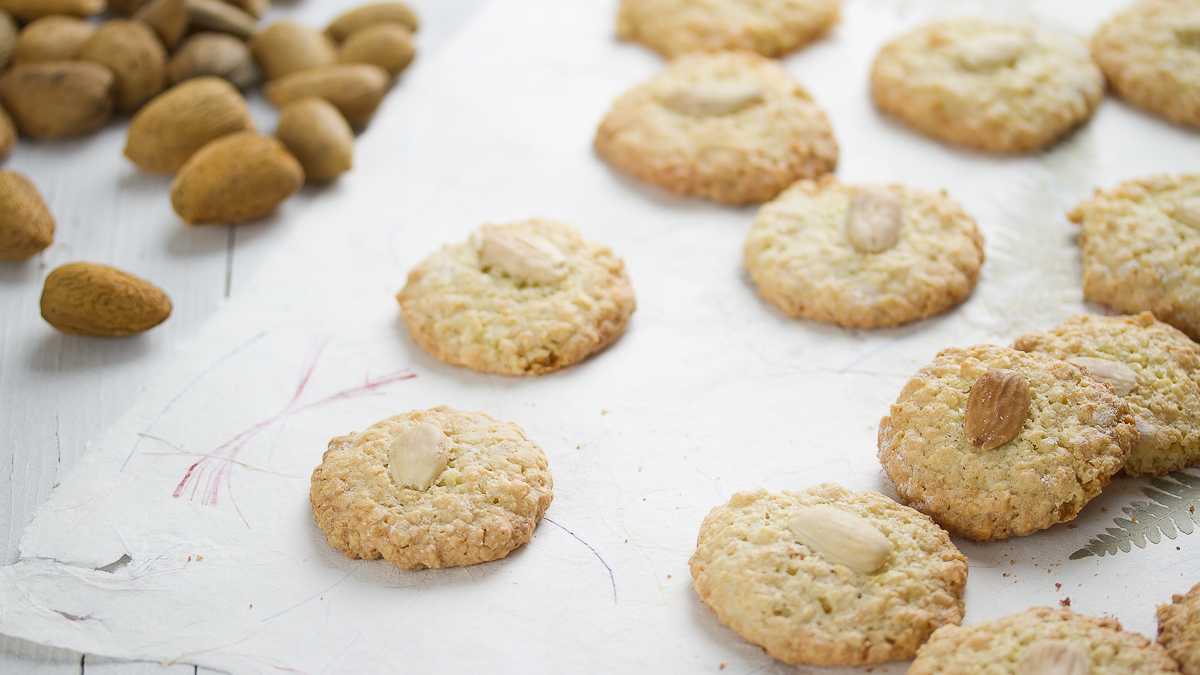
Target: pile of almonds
<point x="180" y="68"/>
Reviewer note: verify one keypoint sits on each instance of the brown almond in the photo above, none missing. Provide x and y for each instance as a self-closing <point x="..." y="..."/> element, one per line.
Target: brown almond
<point x="255" y="8"/>
<point x="355" y="90"/>
<point x="165" y="134"/>
<point x="126" y="7"/>
<point x="287" y="47"/>
<point x="996" y="408"/>
<point x="54" y="38"/>
<point x="369" y="15"/>
<point x="168" y="18"/>
<point x="26" y="225"/>
<point x="90" y="299"/>
<point x="389" y="46"/>
<point x="8" y="134"/>
<point x="29" y="10"/>
<point x="135" y="56"/>
<point x="218" y="16"/>
<point x="320" y="138"/>
<point x="214" y="55"/>
<point x="59" y="98"/>
<point x="8" y="38"/>
<point x="235" y="179"/>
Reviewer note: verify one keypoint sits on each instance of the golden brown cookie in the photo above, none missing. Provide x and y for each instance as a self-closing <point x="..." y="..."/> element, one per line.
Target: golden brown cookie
<point x="431" y="488"/>
<point x="995" y="443"/>
<point x="1141" y="248"/>
<point x="863" y="256"/>
<point x="769" y="27"/>
<point x="1153" y="366"/>
<point x="1179" y="629"/>
<point x="988" y="85"/>
<point x="731" y="127"/>
<point x="827" y="576"/>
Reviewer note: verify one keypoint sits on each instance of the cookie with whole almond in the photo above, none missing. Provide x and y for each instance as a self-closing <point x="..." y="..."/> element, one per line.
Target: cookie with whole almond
<point x="996" y="443"/>
<point x="988" y="85"/>
<point x="769" y="27"/>
<point x="863" y="256"/>
<point x="431" y="488"/>
<point x="826" y="576"/>
<point x="1153" y="366"/>
<point x="732" y="127"/>
<point x="525" y="298"/>
<point x="1179" y="629"/>
<point x="1150" y="53"/>
<point x="1141" y="248"/>
<point x="1042" y="641"/>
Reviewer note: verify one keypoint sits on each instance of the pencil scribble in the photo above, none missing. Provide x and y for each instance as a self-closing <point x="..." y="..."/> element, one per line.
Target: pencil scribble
<point x="611" y="577"/>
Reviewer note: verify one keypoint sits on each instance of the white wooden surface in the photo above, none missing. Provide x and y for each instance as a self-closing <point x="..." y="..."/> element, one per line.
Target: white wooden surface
<point x="58" y="391"/>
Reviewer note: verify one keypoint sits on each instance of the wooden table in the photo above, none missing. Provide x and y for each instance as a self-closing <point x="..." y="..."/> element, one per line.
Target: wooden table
<point x="59" y="391"/>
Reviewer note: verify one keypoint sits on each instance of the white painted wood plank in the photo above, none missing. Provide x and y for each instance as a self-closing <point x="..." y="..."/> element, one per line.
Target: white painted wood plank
<point x="100" y="665"/>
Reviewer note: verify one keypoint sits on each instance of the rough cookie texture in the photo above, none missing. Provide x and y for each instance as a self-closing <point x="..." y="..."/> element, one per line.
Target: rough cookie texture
<point x="1179" y="629"/>
<point x="1141" y="248"/>
<point x="751" y="568"/>
<point x="572" y="300"/>
<point x="486" y="503"/>
<point x="1164" y="396"/>
<point x="988" y="85"/>
<point x="1151" y="55"/>
<point x="769" y="27"/>
<point x="731" y="127"/>
<point x="1075" y="437"/>
<point x="998" y="647"/>
<point x="802" y="259"/>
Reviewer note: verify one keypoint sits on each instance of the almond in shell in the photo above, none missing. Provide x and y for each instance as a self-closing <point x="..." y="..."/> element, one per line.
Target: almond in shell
<point x="26" y="225"/>
<point x="8" y="134"/>
<point x="389" y="46"/>
<point x="219" y="16"/>
<point x="58" y="99"/>
<point x="320" y="138"/>
<point x="90" y="299"/>
<point x="287" y="47"/>
<point x="8" y="37"/>
<point x="54" y="38"/>
<point x="355" y="90"/>
<point x="235" y="179"/>
<point x="176" y="124"/>
<point x="29" y="10"/>
<point x="168" y="18"/>
<point x="131" y="50"/>
<point x="369" y="15"/>
<point x="214" y="55"/>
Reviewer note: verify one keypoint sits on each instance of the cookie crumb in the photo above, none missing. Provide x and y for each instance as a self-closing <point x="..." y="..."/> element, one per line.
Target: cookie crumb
<point x="1065" y="602"/>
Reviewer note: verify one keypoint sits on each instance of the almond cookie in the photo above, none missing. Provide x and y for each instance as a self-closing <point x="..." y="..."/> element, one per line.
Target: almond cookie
<point x="769" y="27"/>
<point x="988" y="85"/>
<point x="1041" y="641"/>
<point x="1179" y="630"/>
<point x="1141" y="248"/>
<point x="1153" y="366"/>
<point x="520" y="299"/>
<point x="1151" y="55"/>
<point x="731" y="127"/>
<point x="863" y="256"/>
<point x="995" y="443"/>
<point x="431" y="488"/>
<point x="827" y="576"/>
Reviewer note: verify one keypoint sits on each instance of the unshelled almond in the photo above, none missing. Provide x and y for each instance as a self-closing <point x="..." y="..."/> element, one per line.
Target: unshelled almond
<point x="59" y="98"/>
<point x="168" y="18"/>
<point x="369" y="15"/>
<point x="713" y="99"/>
<point x="874" y="220"/>
<point x="219" y="16"/>
<point x="235" y="179"/>
<point x="8" y="134"/>
<point x="90" y="299"/>
<point x="131" y="50"/>
<point x="355" y="90"/>
<point x="996" y="408"/>
<point x="287" y="47"/>
<point x="1113" y="373"/>
<point x="175" y="125"/>
<point x="841" y="537"/>
<point x="126" y="7"/>
<point x="389" y="46"/>
<point x="214" y="55"/>
<point x="8" y="38"/>
<point x="1055" y="657"/>
<point x="319" y="137"/>
<point x="26" y="225"/>
<point x="29" y="10"/>
<point x="522" y="256"/>
<point x="255" y="8"/>
<point x="54" y="38"/>
<point x="417" y="456"/>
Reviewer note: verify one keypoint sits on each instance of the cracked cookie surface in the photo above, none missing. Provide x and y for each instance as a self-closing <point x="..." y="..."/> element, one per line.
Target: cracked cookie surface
<point x="1179" y="629"/>
<point x="769" y="27"/>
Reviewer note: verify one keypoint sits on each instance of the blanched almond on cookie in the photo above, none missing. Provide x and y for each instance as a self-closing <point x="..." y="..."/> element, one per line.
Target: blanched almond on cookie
<point x="1055" y="657"/>
<point x="712" y="99"/>
<point x="1114" y="373"/>
<point x="524" y="257"/>
<point x="841" y="537"/>
<point x="418" y="455"/>
<point x="1188" y="212"/>
<point x="996" y="408"/>
<point x="992" y="50"/>
<point x="874" y="219"/>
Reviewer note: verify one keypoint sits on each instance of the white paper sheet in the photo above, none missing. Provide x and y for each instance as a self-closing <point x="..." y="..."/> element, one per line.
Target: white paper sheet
<point x="199" y="495"/>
